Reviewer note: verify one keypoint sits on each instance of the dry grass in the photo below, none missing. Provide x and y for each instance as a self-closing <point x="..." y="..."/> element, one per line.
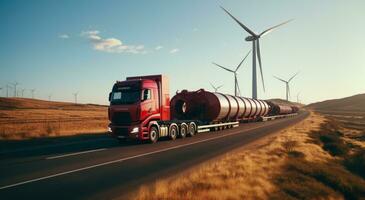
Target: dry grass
<point x="289" y="165"/>
<point x="29" y="118"/>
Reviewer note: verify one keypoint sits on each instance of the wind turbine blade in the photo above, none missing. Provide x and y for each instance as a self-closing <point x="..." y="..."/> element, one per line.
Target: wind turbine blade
<point x="212" y="86"/>
<point x="219" y="87"/>
<point x="242" y="61"/>
<point x="293" y="76"/>
<point x="242" y="25"/>
<point x="223" y="67"/>
<point x="259" y="58"/>
<point x="274" y="27"/>
<point x="279" y="79"/>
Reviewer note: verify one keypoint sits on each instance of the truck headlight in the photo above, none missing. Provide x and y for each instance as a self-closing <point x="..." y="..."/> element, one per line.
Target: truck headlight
<point x="109" y="129"/>
<point x="135" y="130"/>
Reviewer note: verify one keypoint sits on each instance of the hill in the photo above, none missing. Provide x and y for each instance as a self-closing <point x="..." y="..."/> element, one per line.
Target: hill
<point x="285" y="102"/>
<point x="22" y="118"/>
<point x="354" y="103"/>
<point x="26" y="103"/>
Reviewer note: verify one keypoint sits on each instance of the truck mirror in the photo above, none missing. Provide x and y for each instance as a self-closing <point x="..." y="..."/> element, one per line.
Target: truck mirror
<point x="110" y="96"/>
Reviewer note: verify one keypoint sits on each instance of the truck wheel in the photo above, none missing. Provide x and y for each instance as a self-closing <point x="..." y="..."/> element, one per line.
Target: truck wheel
<point x="173" y="132"/>
<point x="183" y="130"/>
<point x="192" y="129"/>
<point x="153" y="134"/>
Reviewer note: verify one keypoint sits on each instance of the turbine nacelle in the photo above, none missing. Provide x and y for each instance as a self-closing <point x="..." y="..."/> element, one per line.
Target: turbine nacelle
<point x="251" y="38"/>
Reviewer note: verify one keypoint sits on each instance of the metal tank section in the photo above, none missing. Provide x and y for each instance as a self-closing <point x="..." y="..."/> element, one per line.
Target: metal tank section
<point x="208" y="106"/>
<point x="276" y="109"/>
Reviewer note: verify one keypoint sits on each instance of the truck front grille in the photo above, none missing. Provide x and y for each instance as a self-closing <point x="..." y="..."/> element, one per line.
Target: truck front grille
<point x="121" y="119"/>
<point x="121" y="131"/>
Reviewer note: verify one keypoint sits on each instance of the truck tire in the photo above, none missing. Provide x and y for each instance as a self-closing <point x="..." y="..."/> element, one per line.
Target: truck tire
<point x="192" y="129"/>
<point x="153" y="134"/>
<point x="173" y="132"/>
<point x="183" y="130"/>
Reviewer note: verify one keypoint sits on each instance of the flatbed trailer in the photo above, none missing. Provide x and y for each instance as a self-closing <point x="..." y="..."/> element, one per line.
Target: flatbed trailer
<point x="269" y="118"/>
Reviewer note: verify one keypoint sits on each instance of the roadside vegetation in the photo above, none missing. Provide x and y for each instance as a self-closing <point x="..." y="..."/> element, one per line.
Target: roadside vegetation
<point x="315" y="159"/>
<point x="22" y="118"/>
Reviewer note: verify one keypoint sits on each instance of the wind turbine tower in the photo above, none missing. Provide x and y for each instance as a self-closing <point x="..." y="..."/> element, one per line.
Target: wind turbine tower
<point x="75" y="96"/>
<point x="215" y="88"/>
<point x="236" y="87"/>
<point x="287" y="84"/>
<point x="23" y="90"/>
<point x="254" y="38"/>
<point x="15" y="84"/>
<point x="298" y="97"/>
<point x="32" y="91"/>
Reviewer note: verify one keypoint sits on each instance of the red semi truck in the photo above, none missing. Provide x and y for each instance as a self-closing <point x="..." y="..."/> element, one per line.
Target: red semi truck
<point x="140" y="108"/>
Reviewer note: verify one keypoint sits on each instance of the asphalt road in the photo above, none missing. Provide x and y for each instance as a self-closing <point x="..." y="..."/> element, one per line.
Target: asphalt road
<point x="100" y="168"/>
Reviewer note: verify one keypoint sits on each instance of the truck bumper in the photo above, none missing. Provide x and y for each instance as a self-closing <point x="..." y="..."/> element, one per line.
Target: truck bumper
<point x="123" y="132"/>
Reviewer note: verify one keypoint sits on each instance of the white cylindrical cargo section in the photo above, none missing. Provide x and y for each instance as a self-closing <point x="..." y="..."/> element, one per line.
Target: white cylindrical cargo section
<point x="242" y="107"/>
<point x="234" y="107"/>
<point x="248" y="107"/>
<point x="224" y="105"/>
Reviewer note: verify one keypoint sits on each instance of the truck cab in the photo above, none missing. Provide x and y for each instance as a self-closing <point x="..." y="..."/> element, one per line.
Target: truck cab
<point x="137" y="103"/>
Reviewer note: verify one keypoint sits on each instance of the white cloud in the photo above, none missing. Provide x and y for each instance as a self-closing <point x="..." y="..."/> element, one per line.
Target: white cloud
<point x="90" y="32"/>
<point x="174" y="50"/>
<point x="64" y="36"/>
<point x="111" y="45"/>
<point x="158" y="48"/>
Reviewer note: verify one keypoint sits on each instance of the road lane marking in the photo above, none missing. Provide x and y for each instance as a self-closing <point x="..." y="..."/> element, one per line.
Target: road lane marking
<point x="74" y="154"/>
<point x="128" y="158"/>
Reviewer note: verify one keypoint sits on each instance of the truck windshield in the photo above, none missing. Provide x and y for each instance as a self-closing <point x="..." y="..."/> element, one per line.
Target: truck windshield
<point x="125" y="97"/>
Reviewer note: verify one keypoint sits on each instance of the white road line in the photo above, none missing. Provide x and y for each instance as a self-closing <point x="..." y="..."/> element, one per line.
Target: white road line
<point x="73" y="154"/>
<point x="124" y="159"/>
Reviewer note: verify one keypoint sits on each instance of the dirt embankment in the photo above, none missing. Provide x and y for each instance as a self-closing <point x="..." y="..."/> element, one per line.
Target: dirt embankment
<point x="22" y="118"/>
<point x="315" y="159"/>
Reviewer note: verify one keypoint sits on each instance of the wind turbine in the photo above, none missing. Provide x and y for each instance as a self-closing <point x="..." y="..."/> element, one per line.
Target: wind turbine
<point x="32" y="91"/>
<point x="15" y="84"/>
<point x="1" y="89"/>
<point x="215" y="88"/>
<point x="49" y="97"/>
<point x="254" y="38"/>
<point x="75" y="95"/>
<point x="236" y="87"/>
<point x="287" y="84"/>
<point x="23" y="90"/>
<point x="298" y="97"/>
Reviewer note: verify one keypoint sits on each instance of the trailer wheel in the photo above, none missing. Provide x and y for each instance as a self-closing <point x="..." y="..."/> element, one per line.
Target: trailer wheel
<point x="183" y="130"/>
<point x="173" y="132"/>
<point x="192" y="129"/>
<point x="153" y="134"/>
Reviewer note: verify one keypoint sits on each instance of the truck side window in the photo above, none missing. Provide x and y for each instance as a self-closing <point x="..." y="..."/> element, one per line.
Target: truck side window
<point x="146" y="94"/>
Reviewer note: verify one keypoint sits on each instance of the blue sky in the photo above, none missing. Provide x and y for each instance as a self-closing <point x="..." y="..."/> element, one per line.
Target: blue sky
<point x="60" y="47"/>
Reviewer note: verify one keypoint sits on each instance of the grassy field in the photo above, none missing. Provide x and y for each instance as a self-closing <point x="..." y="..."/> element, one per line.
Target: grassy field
<point x="22" y="118"/>
<point x="315" y="159"/>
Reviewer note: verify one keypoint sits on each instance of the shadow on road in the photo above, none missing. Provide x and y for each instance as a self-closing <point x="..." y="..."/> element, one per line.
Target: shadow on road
<point x="58" y="145"/>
